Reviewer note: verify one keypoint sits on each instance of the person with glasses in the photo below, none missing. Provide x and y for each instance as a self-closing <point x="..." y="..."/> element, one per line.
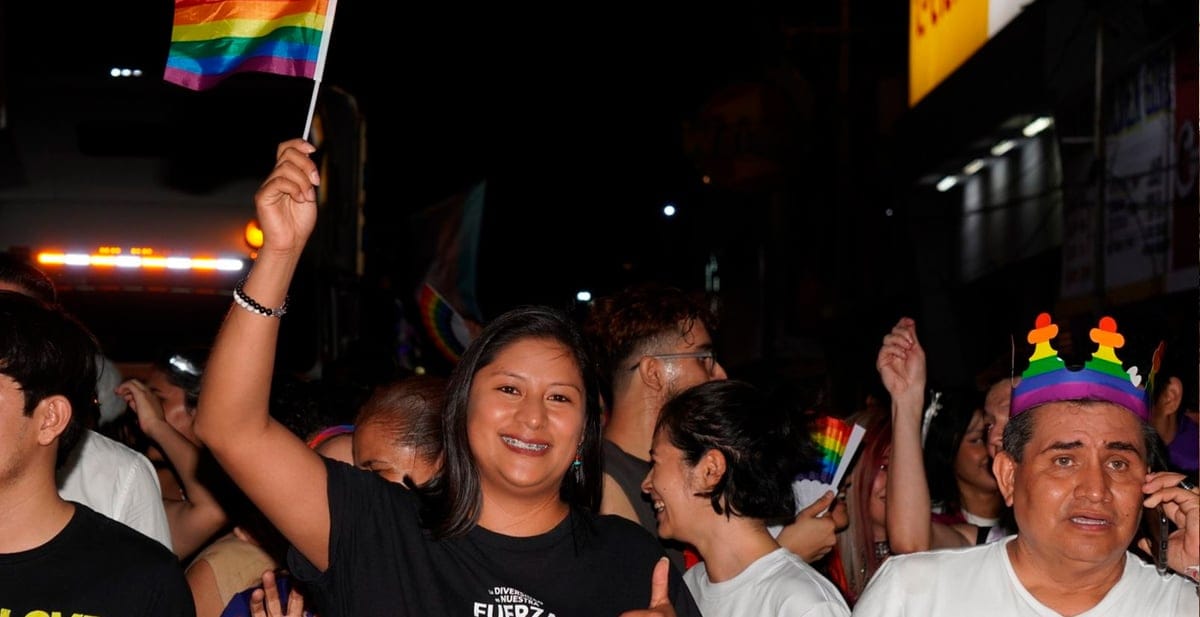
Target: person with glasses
<point x="650" y="342"/>
<point x="706" y="359"/>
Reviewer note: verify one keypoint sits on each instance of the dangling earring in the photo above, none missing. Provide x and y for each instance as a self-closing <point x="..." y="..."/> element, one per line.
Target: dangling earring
<point x="577" y="466"/>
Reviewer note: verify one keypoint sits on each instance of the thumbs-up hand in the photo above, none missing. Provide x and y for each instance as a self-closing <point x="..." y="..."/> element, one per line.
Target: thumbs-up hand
<point x="660" y="599"/>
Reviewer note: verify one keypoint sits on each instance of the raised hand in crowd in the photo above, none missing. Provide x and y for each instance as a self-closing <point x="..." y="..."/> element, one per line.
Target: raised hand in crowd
<point x="521" y="386"/>
<point x="287" y="201"/>
<point x="196" y="515"/>
<point x="901" y="363"/>
<point x="901" y="366"/>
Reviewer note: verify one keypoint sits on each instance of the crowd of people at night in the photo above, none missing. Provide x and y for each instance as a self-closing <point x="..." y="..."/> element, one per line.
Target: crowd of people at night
<point x="604" y="464"/>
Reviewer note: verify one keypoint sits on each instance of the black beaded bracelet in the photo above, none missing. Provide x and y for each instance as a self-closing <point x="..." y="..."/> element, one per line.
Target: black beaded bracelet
<point x="250" y="304"/>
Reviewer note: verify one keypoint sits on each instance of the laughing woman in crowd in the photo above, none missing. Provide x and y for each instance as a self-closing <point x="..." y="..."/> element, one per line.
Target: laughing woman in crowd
<point x="722" y="464"/>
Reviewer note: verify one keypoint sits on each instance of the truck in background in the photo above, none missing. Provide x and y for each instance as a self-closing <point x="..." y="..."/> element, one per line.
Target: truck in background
<point x="136" y="197"/>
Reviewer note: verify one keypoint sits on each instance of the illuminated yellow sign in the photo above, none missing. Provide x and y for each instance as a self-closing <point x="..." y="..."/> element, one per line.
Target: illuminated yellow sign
<point x="942" y="34"/>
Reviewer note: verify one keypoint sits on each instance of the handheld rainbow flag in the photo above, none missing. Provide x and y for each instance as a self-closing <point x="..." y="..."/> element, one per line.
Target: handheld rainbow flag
<point x="836" y="442"/>
<point x="213" y="39"/>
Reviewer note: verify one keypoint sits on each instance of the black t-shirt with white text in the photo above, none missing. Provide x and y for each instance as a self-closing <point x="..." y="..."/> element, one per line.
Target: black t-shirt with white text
<point x="382" y="563"/>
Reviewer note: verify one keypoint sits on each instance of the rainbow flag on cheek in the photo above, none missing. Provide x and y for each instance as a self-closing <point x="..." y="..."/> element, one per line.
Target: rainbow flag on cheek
<point x="212" y="39"/>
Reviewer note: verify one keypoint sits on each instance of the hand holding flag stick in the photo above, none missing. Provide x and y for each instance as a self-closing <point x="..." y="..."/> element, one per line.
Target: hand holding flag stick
<point x="320" y="72"/>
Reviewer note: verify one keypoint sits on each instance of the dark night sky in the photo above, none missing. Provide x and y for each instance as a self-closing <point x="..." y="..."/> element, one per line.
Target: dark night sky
<point x="570" y="112"/>
<point x="572" y="116"/>
<point x="573" y="112"/>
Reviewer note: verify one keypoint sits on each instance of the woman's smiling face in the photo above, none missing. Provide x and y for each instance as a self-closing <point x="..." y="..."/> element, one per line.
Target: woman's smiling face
<point x="670" y="486"/>
<point x="525" y="418"/>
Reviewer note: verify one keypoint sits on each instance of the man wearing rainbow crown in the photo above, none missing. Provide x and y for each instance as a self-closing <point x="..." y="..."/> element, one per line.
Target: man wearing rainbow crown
<point x="1074" y="469"/>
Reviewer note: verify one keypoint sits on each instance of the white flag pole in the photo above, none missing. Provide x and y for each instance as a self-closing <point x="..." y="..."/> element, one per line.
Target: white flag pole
<point x="326" y="34"/>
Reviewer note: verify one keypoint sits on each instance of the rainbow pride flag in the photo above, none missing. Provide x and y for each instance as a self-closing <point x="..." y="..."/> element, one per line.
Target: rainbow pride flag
<point x="445" y="326"/>
<point x="836" y="443"/>
<point x="212" y="39"/>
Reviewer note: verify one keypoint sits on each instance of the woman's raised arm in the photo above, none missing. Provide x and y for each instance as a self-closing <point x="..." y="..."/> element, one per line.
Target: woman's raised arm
<point x="285" y="479"/>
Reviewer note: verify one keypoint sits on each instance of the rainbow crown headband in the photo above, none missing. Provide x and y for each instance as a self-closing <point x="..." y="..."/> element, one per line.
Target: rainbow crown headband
<point x="1102" y="378"/>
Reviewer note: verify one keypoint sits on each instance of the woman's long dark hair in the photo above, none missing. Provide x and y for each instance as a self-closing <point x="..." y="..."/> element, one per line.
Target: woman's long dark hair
<point x="452" y="498"/>
<point x="946" y="432"/>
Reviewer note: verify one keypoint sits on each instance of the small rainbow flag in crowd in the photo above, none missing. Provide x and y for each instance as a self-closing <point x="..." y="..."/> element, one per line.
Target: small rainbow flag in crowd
<point x="836" y="443"/>
<point x="212" y="39"/>
<point x="445" y="326"/>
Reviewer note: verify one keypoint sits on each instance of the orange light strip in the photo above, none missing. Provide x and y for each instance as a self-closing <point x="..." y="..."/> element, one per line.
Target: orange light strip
<point x="111" y="259"/>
